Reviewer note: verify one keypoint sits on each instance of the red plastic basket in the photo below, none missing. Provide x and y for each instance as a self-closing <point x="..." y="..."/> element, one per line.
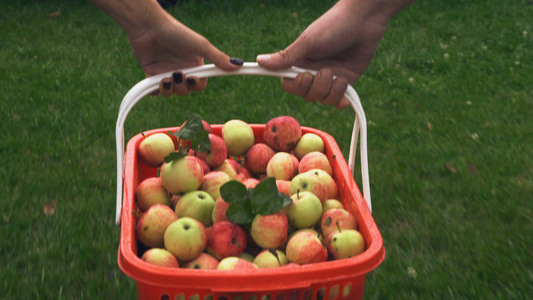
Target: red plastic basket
<point x="339" y="279"/>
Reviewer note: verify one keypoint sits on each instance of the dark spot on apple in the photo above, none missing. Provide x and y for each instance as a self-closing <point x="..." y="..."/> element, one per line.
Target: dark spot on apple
<point x="234" y="241"/>
<point x="196" y="266"/>
<point x="201" y="196"/>
<point x="273" y="129"/>
<point x="328" y="221"/>
<point x="334" y="239"/>
<point x="186" y="226"/>
<point x="145" y="228"/>
<point x="304" y="186"/>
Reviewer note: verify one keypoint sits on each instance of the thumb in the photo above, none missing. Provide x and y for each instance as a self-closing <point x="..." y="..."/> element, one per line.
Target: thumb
<point x="283" y="59"/>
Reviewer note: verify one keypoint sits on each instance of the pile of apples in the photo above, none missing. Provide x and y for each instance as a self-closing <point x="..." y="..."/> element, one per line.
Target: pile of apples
<point x="241" y="202"/>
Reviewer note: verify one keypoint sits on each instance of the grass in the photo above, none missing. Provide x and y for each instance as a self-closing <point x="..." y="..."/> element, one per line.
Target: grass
<point x="448" y="99"/>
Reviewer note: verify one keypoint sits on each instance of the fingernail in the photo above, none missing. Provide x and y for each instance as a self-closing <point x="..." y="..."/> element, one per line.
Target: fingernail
<point x="236" y="61"/>
<point x="307" y="79"/>
<point x="167" y="84"/>
<point x="178" y="78"/>
<point x="191" y="82"/>
<point x="264" y="57"/>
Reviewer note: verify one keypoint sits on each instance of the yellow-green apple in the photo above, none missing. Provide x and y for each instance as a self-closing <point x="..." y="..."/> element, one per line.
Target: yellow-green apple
<point x="282" y="166"/>
<point x="309" y="182"/>
<point x="335" y="218"/>
<point x="309" y="142"/>
<point x="213" y="181"/>
<point x="304" y="211"/>
<point x="247" y="256"/>
<point x="198" y="205"/>
<point x="270" y="231"/>
<point x="238" y="136"/>
<point x="225" y="239"/>
<point x="204" y="261"/>
<point x="215" y="155"/>
<point x="234" y="170"/>
<point x="282" y="133"/>
<point x="328" y="180"/>
<point x="219" y="211"/>
<point x="345" y="243"/>
<point x="283" y="186"/>
<point x="331" y="203"/>
<point x="250" y="182"/>
<point x="151" y="226"/>
<point x="182" y="175"/>
<point x="160" y="257"/>
<point x="315" y="160"/>
<point x="154" y="148"/>
<point x="257" y="157"/>
<point x="151" y="191"/>
<point x="270" y="258"/>
<point x="235" y="263"/>
<point x="186" y="144"/>
<point x="186" y="238"/>
<point x="305" y="248"/>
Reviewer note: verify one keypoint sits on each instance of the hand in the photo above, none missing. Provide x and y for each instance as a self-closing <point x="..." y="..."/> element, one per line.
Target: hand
<point x="340" y="43"/>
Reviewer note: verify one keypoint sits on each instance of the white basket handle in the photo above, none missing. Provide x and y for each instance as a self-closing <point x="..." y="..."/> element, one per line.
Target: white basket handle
<point x="146" y="86"/>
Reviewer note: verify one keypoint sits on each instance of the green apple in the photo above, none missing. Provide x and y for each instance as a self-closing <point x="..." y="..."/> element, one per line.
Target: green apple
<point x="151" y="191"/>
<point x="309" y="142"/>
<point x="247" y="256"/>
<point x="315" y="160"/>
<point x="270" y="231"/>
<point x="235" y="263"/>
<point x="160" y="257"/>
<point x="154" y="148"/>
<point x="330" y="204"/>
<point x="305" y="248"/>
<point x="328" y="180"/>
<point x="182" y="175"/>
<point x="151" y="226"/>
<point x="238" y="136"/>
<point x="333" y="219"/>
<point x="309" y="182"/>
<point x="282" y="133"/>
<point x="304" y="211"/>
<point x="198" y="205"/>
<point x="345" y="243"/>
<point x="186" y="238"/>
<point x="270" y="258"/>
<point x="204" y="261"/>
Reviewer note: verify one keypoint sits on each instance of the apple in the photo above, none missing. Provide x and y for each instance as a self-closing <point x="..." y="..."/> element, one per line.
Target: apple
<point x="315" y="160"/>
<point x="186" y="144"/>
<point x="151" y="191"/>
<point x="203" y="164"/>
<point x="198" y="205"/>
<point x="331" y="203"/>
<point x="305" y="248"/>
<point x="247" y="256"/>
<point x="154" y="148"/>
<point x="270" y="258"/>
<point x="309" y="182"/>
<point x="334" y="291"/>
<point x="304" y="211"/>
<point x="204" y="261"/>
<point x="182" y="175"/>
<point x="335" y="218"/>
<point x="186" y="238"/>
<point x="257" y="157"/>
<point x="173" y="200"/>
<point x="311" y="230"/>
<point x="328" y="180"/>
<point x="225" y="239"/>
<point x="151" y="226"/>
<point x="238" y="136"/>
<point x="250" y="182"/>
<point x="282" y="133"/>
<point x="309" y="142"/>
<point x="219" y="211"/>
<point x="234" y="170"/>
<point x="345" y="243"/>
<point x="270" y="231"/>
<point x="235" y="263"/>
<point x="160" y="257"/>
<point x="283" y="186"/>
<point x="213" y="181"/>
<point x="216" y="154"/>
<point x="282" y="166"/>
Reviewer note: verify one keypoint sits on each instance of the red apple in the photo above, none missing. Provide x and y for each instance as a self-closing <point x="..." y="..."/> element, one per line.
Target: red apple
<point x="154" y="148"/>
<point x="282" y="166"/>
<point x="235" y="263"/>
<point x="219" y="211"/>
<point x="328" y="180"/>
<point x="250" y="182"/>
<point x="234" y="170"/>
<point x="336" y="218"/>
<point x="186" y="144"/>
<point x="213" y="181"/>
<point x="305" y="248"/>
<point x="216" y="154"/>
<point x="315" y="160"/>
<point x="204" y="261"/>
<point x="203" y="164"/>
<point x="283" y="186"/>
<point x="282" y="133"/>
<point x="225" y="239"/>
<point x="151" y="191"/>
<point x="151" y="227"/>
<point x="257" y="157"/>
<point x="160" y="257"/>
<point x="270" y="231"/>
<point x="309" y="182"/>
<point x="182" y="175"/>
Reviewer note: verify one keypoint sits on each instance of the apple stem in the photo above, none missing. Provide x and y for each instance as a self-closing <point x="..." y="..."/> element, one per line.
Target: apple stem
<point x="275" y="253"/>
<point x="338" y="227"/>
<point x="333" y="157"/>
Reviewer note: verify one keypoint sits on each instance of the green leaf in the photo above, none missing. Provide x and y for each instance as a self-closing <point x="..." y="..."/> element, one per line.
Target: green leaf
<point x="266" y="199"/>
<point x="194" y="131"/>
<point x="174" y="156"/>
<point x="234" y="192"/>
<point x="240" y="214"/>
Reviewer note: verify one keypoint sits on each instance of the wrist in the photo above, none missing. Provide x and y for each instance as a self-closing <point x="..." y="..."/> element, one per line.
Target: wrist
<point x="379" y="11"/>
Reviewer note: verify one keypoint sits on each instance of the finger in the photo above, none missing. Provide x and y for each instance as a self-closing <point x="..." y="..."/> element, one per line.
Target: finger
<point x="321" y="86"/>
<point x="179" y="86"/>
<point x="336" y="93"/>
<point x="299" y="85"/>
<point x="343" y="104"/>
<point x="165" y="87"/>
<point x="196" y="84"/>
<point x="283" y="59"/>
<point x="219" y="58"/>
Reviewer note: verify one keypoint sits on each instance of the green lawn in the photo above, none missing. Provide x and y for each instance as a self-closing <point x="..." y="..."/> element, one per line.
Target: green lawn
<point x="449" y="104"/>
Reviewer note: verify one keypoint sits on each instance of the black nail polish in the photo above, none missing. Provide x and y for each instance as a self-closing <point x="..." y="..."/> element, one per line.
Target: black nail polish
<point x="191" y="82"/>
<point x="178" y="78"/>
<point x="167" y="84"/>
<point x="236" y="61"/>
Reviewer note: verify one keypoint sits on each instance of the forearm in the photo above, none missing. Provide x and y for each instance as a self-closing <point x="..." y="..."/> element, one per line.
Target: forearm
<point x="377" y="10"/>
<point x="132" y="15"/>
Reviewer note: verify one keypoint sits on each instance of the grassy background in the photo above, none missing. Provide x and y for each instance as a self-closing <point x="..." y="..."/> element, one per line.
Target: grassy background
<point x="448" y="99"/>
